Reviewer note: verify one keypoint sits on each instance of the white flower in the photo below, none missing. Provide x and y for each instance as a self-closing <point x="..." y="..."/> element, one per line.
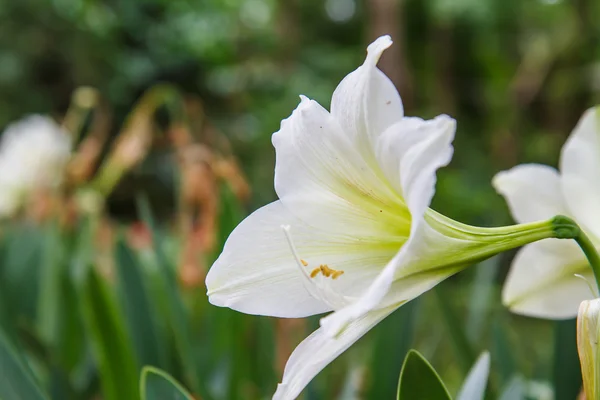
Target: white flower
<point x="358" y="237"/>
<point x="588" y="334"/>
<point x="33" y="155"/>
<point x="542" y="281"/>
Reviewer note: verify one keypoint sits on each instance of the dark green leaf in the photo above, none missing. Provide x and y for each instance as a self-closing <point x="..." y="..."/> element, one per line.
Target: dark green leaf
<point x="177" y="313"/>
<point x="112" y="347"/>
<point x="16" y="380"/>
<point x="418" y="380"/>
<point x="465" y="355"/>
<point x="394" y="337"/>
<point x="567" y="373"/>
<point x="158" y="385"/>
<point x="504" y="355"/>
<point x="136" y="306"/>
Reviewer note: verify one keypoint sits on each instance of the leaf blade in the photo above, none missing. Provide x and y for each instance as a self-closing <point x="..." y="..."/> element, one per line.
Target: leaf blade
<point x="16" y="380"/>
<point x="418" y="379"/>
<point x="156" y="384"/>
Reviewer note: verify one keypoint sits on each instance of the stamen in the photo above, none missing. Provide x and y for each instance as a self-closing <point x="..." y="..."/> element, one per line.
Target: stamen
<point x="328" y="272"/>
<point x="337" y="274"/>
<point x="318" y="288"/>
<point x="309" y="284"/>
<point x="304" y="262"/>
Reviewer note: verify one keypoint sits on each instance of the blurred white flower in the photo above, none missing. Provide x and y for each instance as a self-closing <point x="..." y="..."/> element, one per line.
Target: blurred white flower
<point x="542" y="281"/>
<point x="33" y="155"/>
<point x="588" y="334"/>
<point x="358" y="237"/>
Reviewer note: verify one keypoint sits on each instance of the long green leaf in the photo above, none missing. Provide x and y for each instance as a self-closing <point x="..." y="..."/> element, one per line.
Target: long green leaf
<point x="394" y="337"/>
<point x="177" y="313"/>
<point x="52" y="271"/>
<point x="158" y="385"/>
<point x="503" y="349"/>
<point x="136" y="307"/>
<point x="16" y="380"/>
<point x="22" y="262"/>
<point x="465" y="355"/>
<point x="418" y="380"/>
<point x="112" y="347"/>
<point x="567" y="374"/>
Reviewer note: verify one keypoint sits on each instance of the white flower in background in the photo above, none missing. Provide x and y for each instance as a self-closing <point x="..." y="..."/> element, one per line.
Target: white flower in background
<point x="352" y="231"/>
<point x="542" y="281"/>
<point x="588" y="334"/>
<point x="33" y="155"/>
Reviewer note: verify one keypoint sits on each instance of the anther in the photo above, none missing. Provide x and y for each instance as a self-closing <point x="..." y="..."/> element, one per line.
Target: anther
<point x="337" y="274"/>
<point x="304" y="262"/>
<point x="315" y="272"/>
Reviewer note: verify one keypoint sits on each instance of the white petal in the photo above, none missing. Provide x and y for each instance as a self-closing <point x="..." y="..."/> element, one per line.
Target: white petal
<point x="323" y="179"/>
<point x="417" y="166"/>
<point x="257" y="274"/>
<point x="318" y="350"/>
<point x="533" y="192"/>
<point x="542" y="282"/>
<point x="474" y="386"/>
<point x="580" y="170"/>
<point x="366" y="102"/>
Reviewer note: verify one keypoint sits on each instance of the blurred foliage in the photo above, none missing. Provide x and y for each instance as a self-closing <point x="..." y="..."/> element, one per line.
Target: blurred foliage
<point x="516" y="74"/>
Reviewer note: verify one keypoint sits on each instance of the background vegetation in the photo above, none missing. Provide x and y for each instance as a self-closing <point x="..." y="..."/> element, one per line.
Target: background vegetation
<point x="87" y="303"/>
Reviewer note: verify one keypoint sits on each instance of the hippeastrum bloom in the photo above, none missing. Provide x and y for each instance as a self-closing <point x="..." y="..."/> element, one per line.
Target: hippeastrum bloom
<point x="33" y="155"/>
<point x="545" y="278"/>
<point x="588" y="334"/>
<point x="352" y="231"/>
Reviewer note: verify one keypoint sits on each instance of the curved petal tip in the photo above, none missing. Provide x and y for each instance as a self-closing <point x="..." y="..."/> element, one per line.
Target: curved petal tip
<point x="377" y="48"/>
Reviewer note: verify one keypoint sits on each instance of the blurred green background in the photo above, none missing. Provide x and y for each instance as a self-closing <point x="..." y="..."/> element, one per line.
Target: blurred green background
<point x="516" y="74"/>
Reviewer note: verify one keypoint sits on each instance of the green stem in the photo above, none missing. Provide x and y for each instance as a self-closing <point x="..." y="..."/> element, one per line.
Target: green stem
<point x="566" y="228"/>
<point x="591" y="253"/>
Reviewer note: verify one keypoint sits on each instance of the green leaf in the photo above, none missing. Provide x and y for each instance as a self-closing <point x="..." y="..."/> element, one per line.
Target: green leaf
<point x="110" y="343"/>
<point x="50" y="291"/>
<point x="58" y="321"/>
<point x="418" y="380"/>
<point x="177" y="313"/>
<point x="20" y="263"/>
<point x="503" y="349"/>
<point x="158" y="385"/>
<point x="481" y="296"/>
<point x="16" y="380"/>
<point x="465" y="355"/>
<point x="394" y="337"/>
<point x="136" y="306"/>
<point x="567" y="373"/>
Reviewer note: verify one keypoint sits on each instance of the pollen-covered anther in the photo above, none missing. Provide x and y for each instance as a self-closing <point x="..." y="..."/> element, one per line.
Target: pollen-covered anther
<point x="337" y="274"/>
<point x="326" y="271"/>
<point x="304" y="262"/>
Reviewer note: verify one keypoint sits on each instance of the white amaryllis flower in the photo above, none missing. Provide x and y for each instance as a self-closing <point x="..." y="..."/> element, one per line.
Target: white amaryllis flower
<point x="588" y="335"/>
<point x="545" y="279"/>
<point x="33" y="155"/>
<point x="358" y="237"/>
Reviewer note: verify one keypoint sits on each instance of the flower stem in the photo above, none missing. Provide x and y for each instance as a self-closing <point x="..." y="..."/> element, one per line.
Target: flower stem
<point x="566" y="228"/>
<point x="591" y="253"/>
